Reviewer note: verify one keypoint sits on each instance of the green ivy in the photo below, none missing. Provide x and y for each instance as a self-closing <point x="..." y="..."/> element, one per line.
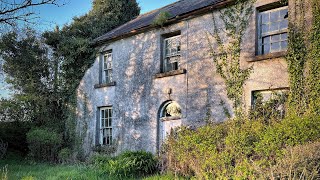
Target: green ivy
<point x="226" y="58"/>
<point x="313" y="65"/>
<point x="304" y="62"/>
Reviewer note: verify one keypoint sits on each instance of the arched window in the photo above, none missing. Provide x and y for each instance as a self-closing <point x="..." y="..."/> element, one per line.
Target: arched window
<point x="171" y="109"/>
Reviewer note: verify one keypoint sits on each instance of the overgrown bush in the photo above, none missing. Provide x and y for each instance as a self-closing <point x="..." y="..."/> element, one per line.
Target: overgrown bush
<point x="44" y="144"/>
<point x="298" y="162"/>
<point x="65" y="155"/>
<point x="234" y="149"/>
<point x="127" y="164"/>
<point x="14" y="133"/>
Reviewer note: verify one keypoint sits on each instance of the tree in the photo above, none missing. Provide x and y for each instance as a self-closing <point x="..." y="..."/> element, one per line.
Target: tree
<point x="72" y="44"/>
<point x="28" y="65"/>
<point x="45" y="70"/>
<point x="20" y="10"/>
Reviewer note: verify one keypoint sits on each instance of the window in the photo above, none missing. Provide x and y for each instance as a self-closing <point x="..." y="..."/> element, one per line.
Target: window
<point x="273" y="30"/>
<point x="172" y="109"/>
<point x="171" y="57"/>
<point x="107" y="68"/>
<point x="268" y="104"/>
<point x="106" y="126"/>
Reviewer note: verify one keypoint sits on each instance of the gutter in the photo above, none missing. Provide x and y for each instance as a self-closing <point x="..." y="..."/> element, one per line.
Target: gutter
<point x="174" y="20"/>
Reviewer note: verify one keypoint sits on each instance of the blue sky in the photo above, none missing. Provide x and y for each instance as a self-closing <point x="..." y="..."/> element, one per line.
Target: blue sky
<point x="50" y="16"/>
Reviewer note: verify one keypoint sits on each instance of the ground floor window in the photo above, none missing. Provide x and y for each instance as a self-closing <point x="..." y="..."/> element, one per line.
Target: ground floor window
<point x="106" y="126"/>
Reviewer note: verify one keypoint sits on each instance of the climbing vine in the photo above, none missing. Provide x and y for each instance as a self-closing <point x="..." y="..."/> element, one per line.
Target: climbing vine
<point x="226" y="56"/>
<point x="304" y="60"/>
<point x="296" y="59"/>
<point x="313" y="78"/>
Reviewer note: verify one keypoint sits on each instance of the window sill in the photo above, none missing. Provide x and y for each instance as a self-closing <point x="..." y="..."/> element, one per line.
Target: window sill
<point x="170" y="118"/>
<point x="97" y="86"/>
<point x="170" y="73"/>
<point x="268" y="56"/>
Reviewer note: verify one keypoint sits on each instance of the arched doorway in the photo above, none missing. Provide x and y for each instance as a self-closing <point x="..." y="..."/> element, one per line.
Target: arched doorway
<point x="169" y="117"/>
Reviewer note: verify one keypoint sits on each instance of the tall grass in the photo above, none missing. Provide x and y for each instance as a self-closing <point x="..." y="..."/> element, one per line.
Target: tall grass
<point x="4" y="173"/>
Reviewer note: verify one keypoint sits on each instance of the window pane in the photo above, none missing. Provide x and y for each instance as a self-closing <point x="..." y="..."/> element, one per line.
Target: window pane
<point x="172" y="52"/>
<point x="284" y="24"/>
<point x="274" y="26"/>
<point x="272" y="22"/>
<point x="264" y="28"/>
<point x="274" y="16"/>
<point x="105" y="64"/>
<point x="284" y="45"/>
<point x="275" y="38"/>
<point x="265" y="18"/>
<point x="275" y="47"/>
<point x="102" y="114"/>
<point x="105" y="113"/>
<point x="266" y="49"/>
<point x="284" y="36"/>
<point x="266" y="40"/>
<point x="283" y="13"/>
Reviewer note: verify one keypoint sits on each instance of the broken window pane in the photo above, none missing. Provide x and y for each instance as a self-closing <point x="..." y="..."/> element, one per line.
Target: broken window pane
<point x="172" y="53"/>
<point x="274" y="25"/>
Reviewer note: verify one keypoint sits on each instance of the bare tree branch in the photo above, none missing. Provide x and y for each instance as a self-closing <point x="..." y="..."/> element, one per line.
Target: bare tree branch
<point x="15" y="11"/>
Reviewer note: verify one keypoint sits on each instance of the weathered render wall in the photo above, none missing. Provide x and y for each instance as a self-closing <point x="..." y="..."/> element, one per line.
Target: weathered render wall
<point x="137" y="96"/>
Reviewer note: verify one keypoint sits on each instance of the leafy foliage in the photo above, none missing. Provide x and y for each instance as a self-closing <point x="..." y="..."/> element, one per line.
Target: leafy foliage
<point x="45" y="70"/>
<point x="235" y="20"/>
<point x="304" y="62"/>
<point x="127" y="164"/>
<point x="313" y="78"/>
<point x="44" y="144"/>
<point x="72" y="44"/>
<point x="274" y="108"/>
<point x="235" y="149"/>
<point x="14" y="133"/>
<point x="161" y="18"/>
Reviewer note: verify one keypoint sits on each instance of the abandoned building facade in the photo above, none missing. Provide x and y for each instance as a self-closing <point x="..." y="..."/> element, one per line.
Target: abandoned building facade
<point x="149" y="79"/>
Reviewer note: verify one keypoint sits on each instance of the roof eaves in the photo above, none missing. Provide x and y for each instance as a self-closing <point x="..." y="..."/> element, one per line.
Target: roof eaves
<point x="172" y="20"/>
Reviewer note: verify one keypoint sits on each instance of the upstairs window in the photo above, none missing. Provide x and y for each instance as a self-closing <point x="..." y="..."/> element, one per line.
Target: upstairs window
<point x="106" y="126"/>
<point x="171" y="56"/>
<point x="273" y="30"/>
<point x="107" y="68"/>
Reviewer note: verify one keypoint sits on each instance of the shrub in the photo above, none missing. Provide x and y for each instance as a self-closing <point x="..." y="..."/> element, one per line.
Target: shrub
<point x="127" y="164"/>
<point x="239" y="148"/>
<point x="3" y="148"/>
<point x="15" y="134"/>
<point x="65" y="155"/>
<point x="161" y="18"/>
<point x="44" y="144"/>
<point x="297" y="162"/>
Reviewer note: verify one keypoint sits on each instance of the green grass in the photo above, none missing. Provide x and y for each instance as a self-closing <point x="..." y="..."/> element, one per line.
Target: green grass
<point x="21" y="169"/>
<point x="17" y="170"/>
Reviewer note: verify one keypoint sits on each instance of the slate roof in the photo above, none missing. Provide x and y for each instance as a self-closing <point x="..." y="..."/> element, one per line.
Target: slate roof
<point x="176" y="9"/>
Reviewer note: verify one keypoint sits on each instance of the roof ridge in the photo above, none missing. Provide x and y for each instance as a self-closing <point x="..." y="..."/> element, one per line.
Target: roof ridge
<point x="178" y="8"/>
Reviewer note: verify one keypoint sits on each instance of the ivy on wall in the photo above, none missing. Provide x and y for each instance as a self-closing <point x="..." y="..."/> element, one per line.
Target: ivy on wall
<point x="226" y="56"/>
<point x="304" y="60"/>
<point x="313" y="65"/>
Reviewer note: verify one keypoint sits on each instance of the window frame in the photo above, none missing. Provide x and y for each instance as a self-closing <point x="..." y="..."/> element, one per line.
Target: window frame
<point x="165" y="56"/>
<point x="107" y="72"/>
<point x="259" y="44"/>
<point x="103" y="120"/>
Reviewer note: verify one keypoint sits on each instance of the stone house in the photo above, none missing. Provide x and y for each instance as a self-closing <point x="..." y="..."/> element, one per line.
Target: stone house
<point x="149" y="79"/>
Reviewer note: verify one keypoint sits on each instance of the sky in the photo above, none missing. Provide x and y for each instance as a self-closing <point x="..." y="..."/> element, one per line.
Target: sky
<point x="50" y="16"/>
